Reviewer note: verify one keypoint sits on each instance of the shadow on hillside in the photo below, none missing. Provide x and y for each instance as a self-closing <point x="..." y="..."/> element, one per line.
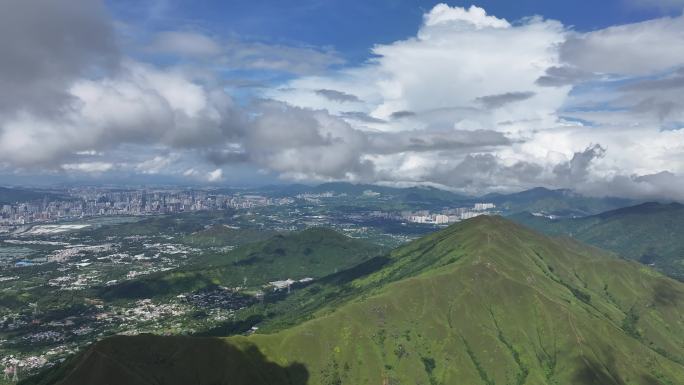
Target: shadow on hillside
<point x="666" y="293"/>
<point x="593" y="372"/>
<point x="148" y="360"/>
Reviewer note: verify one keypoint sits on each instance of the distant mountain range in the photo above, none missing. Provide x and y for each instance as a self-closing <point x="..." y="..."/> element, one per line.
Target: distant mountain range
<point x="564" y="203"/>
<point x="13" y="195"/>
<point x="650" y="233"/>
<point x="485" y="301"/>
<point x="560" y="202"/>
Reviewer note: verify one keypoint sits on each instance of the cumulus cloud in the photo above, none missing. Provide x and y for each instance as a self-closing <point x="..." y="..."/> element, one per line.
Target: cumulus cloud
<point x="632" y="49"/>
<point x="471" y="102"/>
<point x="477" y="17"/>
<point x="140" y="104"/>
<point x="45" y="45"/>
<point x="435" y="78"/>
<point x="576" y="170"/>
<point x="306" y="144"/>
<point x="658" y="186"/>
<point x="434" y="103"/>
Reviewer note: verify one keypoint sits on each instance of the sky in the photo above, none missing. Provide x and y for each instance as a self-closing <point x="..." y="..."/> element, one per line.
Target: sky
<point x="474" y="97"/>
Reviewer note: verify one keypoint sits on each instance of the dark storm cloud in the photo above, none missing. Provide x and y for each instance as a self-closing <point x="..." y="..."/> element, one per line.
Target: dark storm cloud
<point x="222" y="157"/>
<point x="390" y="143"/>
<point x="402" y="114"/>
<point x="45" y="44"/>
<point x="361" y="116"/>
<point x="662" y="109"/>
<point x="657" y="100"/>
<point x="497" y="101"/>
<point x="663" y="185"/>
<point x="673" y="82"/>
<point x="563" y="76"/>
<point x="337" y="96"/>
<point x="576" y="170"/>
<point x="486" y="172"/>
<point x="303" y="142"/>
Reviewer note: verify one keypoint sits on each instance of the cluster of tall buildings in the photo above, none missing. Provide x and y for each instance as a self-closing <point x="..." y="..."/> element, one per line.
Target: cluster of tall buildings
<point x="90" y="202"/>
<point x="445" y="216"/>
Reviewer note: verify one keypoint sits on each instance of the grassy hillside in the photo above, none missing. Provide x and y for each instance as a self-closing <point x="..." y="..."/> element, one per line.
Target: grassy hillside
<point x="314" y="252"/>
<point x="649" y="233"/>
<point x="482" y="302"/>
<point x="223" y="235"/>
<point x="182" y="224"/>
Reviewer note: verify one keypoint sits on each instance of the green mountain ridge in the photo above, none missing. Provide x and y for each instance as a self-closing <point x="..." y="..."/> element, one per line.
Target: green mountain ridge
<point x="223" y="235"/>
<point x="649" y="232"/>
<point x="562" y="202"/>
<point x="484" y="301"/>
<point x="314" y="252"/>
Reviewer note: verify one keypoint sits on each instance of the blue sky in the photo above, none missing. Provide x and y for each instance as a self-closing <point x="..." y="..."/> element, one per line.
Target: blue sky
<point x="352" y="27"/>
<point x="491" y="96"/>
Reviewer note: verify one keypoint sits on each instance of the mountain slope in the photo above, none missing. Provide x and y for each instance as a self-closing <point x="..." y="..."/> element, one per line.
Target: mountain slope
<point x="556" y="202"/>
<point x="314" y="252"/>
<point x="481" y="302"/>
<point x="223" y="235"/>
<point x="649" y="232"/>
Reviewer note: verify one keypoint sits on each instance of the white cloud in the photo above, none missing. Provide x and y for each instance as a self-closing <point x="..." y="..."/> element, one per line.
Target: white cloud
<point x="448" y="66"/>
<point x="155" y="165"/>
<point x="633" y="49"/>
<point x="140" y="104"/>
<point x="215" y="176"/>
<point x="471" y="102"/>
<point x="464" y="76"/>
<point x="475" y="16"/>
<point x="92" y="167"/>
<point x="469" y="72"/>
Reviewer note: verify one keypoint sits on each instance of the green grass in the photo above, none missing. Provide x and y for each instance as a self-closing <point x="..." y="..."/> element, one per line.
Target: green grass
<point x="221" y="235"/>
<point x="182" y="224"/>
<point x="481" y="302"/>
<point x="314" y="253"/>
<point x="649" y="233"/>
